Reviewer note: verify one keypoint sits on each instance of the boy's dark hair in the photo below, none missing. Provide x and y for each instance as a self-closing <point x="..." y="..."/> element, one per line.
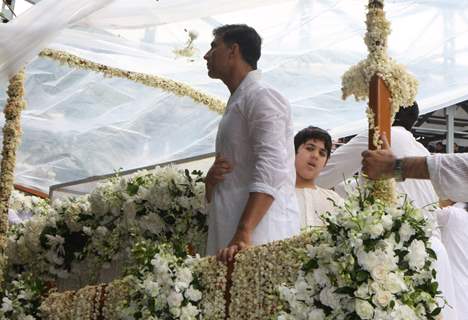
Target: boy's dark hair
<point x="246" y="37"/>
<point x="316" y="133"/>
<point x="406" y="117"/>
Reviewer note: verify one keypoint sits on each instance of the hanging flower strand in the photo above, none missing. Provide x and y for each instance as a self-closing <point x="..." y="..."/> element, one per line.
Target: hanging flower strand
<point x="402" y="85"/>
<point x="11" y="138"/>
<point x="175" y="87"/>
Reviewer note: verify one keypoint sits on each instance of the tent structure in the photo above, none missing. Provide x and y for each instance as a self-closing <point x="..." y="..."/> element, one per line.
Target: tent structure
<point x="79" y="123"/>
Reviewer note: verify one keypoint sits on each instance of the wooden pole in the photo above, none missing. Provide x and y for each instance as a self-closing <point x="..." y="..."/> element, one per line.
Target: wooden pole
<point x="379" y="103"/>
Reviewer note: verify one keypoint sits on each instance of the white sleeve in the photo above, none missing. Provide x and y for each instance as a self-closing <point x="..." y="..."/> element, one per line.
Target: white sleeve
<point x="268" y="122"/>
<point x="449" y="175"/>
<point x="344" y="162"/>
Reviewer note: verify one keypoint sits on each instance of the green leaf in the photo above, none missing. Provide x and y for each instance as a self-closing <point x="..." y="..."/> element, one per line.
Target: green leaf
<point x="436" y="311"/>
<point x="132" y="189"/>
<point x="346" y="290"/>
<point x="362" y="276"/>
<point x="309" y="265"/>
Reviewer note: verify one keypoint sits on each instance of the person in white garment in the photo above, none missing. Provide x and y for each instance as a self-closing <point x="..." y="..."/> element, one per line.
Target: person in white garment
<point x="250" y="186"/>
<point x="313" y="147"/>
<point x="346" y="161"/>
<point x="453" y="221"/>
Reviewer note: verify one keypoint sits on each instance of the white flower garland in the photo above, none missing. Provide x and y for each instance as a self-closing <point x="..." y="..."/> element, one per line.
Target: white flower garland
<point x="172" y="86"/>
<point x="257" y="274"/>
<point x="402" y="85"/>
<point x="11" y="137"/>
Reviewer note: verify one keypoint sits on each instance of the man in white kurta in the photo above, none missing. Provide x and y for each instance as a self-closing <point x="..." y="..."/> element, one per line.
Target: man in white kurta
<point x="453" y="221"/>
<point x="255" y="157"/>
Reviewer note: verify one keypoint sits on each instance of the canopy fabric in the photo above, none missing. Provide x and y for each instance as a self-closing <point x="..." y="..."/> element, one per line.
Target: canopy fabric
<point x="79" y="124"/>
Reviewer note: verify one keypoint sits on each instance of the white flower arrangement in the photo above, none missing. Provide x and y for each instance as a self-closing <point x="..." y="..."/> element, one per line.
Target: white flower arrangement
<point x="374" y="261"/>
<point x="163" y="285"/>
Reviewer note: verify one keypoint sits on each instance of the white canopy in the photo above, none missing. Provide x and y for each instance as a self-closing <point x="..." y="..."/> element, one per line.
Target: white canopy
<point x="79" y="124"/>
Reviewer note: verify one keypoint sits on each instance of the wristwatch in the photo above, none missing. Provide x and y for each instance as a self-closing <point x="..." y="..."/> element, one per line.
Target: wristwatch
<point x="398" y="170"/>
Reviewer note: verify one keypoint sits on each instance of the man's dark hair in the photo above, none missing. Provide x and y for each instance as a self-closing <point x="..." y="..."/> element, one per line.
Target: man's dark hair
<point x="316" y="133"/>
<point x="406" y="117"/>
<point x="246" y="37"/>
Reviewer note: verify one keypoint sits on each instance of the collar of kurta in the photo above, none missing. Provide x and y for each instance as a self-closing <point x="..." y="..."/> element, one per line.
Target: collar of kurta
<point x="251" y="77"/>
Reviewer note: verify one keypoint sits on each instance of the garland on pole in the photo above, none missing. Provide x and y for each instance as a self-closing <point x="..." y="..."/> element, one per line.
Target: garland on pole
<point x="11" y="138"/>
<point x="175" y="87"/>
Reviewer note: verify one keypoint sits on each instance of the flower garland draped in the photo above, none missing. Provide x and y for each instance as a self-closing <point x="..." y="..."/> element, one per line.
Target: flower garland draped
<point x="172" y="86"/>
<point x="11" y="138"/>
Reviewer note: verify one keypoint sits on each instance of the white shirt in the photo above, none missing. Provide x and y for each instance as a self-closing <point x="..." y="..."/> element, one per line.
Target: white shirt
<point x="313" y="202"/>
<point x="454" y="224"/>
<point x="346" y="161"/>
<point x="449" y="175"/>
<point x="256" y="136"/>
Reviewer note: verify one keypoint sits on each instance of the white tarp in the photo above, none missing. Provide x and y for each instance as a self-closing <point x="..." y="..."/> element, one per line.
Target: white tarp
<point x="79" y="124"/>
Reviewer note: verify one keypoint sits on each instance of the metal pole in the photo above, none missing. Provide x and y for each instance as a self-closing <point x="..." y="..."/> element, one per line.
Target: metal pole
<point x="450" y="115"/>
<point x="7" y="9"/>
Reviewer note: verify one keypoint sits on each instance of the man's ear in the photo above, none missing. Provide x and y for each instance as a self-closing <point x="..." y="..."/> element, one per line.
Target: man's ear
<point x="235" y="49"/>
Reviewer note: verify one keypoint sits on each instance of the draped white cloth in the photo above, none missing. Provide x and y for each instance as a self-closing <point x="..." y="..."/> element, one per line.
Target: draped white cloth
<point x="255" y="136"/>
<point x="453" y="221"/>
<point x="307" y="45"/>
<point x="449" y="175"/>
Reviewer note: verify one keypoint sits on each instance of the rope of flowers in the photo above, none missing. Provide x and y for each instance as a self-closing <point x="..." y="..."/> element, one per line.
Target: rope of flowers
<point x="11" y="138"/>
<point x="402" y="85"/>
<point x="172" y="86"/>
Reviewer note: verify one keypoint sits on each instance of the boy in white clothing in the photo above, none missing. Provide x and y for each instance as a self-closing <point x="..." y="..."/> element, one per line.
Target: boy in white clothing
<point x="313" y="147"/>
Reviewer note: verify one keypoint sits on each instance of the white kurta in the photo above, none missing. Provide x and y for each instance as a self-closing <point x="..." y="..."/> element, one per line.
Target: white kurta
<point x="256" y="136"/>
<point x="346" y="161"/>
<point x="449" y="175"/>
<point x="454" y="224"/>
<point x="313" y="202"/>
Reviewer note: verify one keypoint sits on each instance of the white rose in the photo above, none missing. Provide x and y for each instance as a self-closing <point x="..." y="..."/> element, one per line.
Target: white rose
<point x="406" y="231"/>
<point x="382" y="298"/>
<point x="329" y="298"/>
<point x="364" y="309"/>
<point x="416" y="255"/>
<point x="316" y="314"/>
<point x="188" y="312"/>
<point x="321" y="278"/>
<point x="193" y="294"/>
<point x="395" y="283"/>
<point x="362" y="292"/>
<point x="379" y="272"/>
<point x="376" y="230"/>
<point x="387" y="222"/>
<point x="174" y="299"/>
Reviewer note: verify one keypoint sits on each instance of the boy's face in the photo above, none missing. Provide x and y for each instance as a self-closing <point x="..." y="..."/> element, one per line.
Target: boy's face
<point x="311" y="157"/>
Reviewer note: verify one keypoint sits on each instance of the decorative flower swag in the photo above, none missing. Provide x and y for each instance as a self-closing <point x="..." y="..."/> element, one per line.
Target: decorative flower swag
<point x="172" y="86"/>
<point x="11" y="137"/>
<point x="402" y="85"/>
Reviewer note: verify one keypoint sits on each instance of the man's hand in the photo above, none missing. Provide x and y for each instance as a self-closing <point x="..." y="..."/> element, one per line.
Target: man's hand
<point x="379" y="164"/>
<point x="240" y="241"/>
<point x="216" y="174"/>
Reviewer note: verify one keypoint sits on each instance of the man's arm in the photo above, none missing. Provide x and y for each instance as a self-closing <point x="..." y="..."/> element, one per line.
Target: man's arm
<point x="215" y="175"/>
<point x="380" y="164"/>
<point x="343" y="163"/>
<point x="255" y="209"/>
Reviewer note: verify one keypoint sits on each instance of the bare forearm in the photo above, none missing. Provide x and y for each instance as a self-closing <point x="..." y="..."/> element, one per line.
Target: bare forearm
<point x="415" y="168"/>
<point x="255" y="209"/>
